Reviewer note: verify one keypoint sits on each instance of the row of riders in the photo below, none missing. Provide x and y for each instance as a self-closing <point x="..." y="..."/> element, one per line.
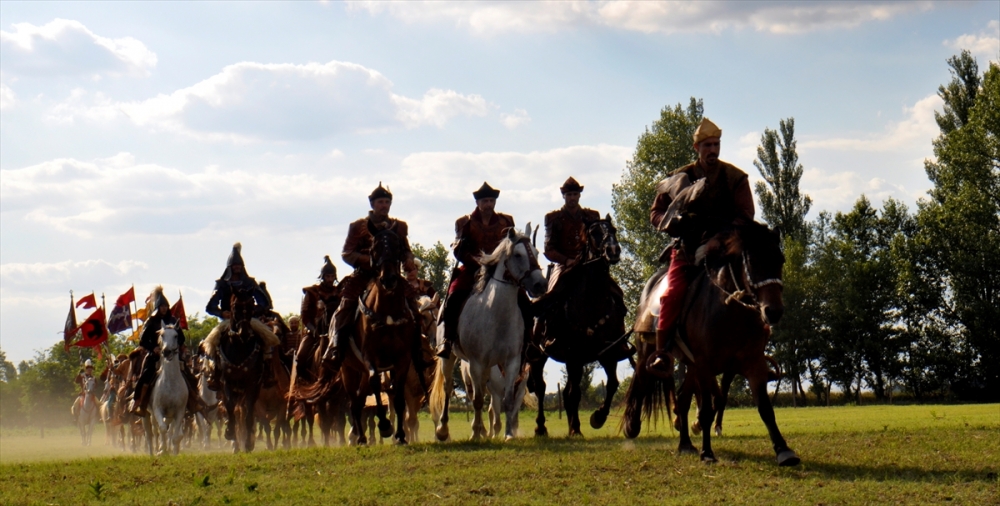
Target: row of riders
<point x="709" y="308"/>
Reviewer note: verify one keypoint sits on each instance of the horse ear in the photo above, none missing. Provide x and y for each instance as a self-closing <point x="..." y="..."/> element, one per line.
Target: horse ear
<point x="163" y="325"/>
<point x="511" y="234"/>
<point x="608" y="218"/>
<point x="527" y="230"/>
<point x="534" y="238"/>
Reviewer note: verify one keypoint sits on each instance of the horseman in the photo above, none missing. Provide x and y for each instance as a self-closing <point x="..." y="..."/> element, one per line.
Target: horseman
<point x="357" y="253"/>
<point x="149" y="340"/>
<point x="81" y="378"/>
<point x="235" y="280"/>
<point x="475" y="233"/>
<point x="708" y="196"/>
<point x="318" y="303"/>
<point x="565" y="239"/>
<point x="420" y="287"/>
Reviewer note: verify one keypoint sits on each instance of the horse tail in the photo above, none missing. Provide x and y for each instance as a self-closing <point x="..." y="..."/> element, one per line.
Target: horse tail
<point x="436" y="404"/>
<point x="316" y="390"/>
<point x="648" y="396"/>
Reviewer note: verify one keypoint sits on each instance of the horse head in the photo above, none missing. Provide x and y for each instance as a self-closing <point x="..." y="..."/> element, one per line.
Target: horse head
<point x="602" y="241"/>
<point x="243" y="305"/>
<point x="88" y="385"/>
<point x="521" y="262"/>
<point x="760" y="251"/>
<point x="386" y="254"/>
<point x="169" y="345"/>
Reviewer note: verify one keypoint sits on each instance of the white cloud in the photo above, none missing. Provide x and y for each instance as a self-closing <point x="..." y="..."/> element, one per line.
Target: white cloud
<point x="832" y="190"/>
<point x="985" y="44"/>
<point x="67" y="47"/>
<point x="254" y="101"/>
<point x="487" y="18"/>
<point x="918" y="128"/>
<point x="512" y="121"/>
<point x="7" y="98"/>
<point x="38" y="275"/>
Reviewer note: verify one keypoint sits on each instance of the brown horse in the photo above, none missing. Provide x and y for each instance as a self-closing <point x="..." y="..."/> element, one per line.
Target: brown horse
<point x="724" y="329"/>
<point x="241" y="357"/>
<point x="585" y="322"/>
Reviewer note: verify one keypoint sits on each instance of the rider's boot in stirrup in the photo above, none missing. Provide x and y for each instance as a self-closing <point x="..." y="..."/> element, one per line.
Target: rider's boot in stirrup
<point x="452" y="306"/>
<point x="337" y="350"/>
<point x="140" y="400"/>
<point x="660" y="363"/>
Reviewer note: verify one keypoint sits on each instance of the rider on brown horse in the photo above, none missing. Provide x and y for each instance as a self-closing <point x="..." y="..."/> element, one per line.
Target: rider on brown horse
<point x="319" y="301"/>
<point x="706" y="208"/>
<point x="565" y="239"/>
<point x="150" y="341"/>
<point x="475" y="233"/>
<point x="357" y="253"/>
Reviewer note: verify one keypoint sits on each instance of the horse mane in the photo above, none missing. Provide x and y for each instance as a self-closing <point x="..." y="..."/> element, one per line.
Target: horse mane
<point x="488" y="261"/>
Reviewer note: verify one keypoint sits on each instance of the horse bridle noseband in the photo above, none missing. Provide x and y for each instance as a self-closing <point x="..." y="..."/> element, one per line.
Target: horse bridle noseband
<point x="506" y="270"/>
<point x="750" y="286"/>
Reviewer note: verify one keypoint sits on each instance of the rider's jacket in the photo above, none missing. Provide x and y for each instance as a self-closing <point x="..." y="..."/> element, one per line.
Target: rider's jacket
<point x="725" y="201"/>
<point x="358" y="245"/>
<point x="220" y="299"/>
<point x="149" y="338"/>
<point x="566" y="233"/>
<point x="80" y="378"/>
<point x="472" y="236"/>
<point x="329" y="294"/>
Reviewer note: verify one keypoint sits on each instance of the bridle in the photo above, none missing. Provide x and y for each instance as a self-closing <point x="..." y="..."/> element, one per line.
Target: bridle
<point x="604" y="250"/>
<point x="749" y="287"/>
<point x="508" y="278"/>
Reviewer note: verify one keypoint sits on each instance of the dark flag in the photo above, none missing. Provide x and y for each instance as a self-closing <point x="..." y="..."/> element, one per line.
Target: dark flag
<point x="87" y="302"/>
<point x="178" y="312"/>
<point x="93" y="330"/>
<point x="120" y="319"/>
<point x="69" y="330"/>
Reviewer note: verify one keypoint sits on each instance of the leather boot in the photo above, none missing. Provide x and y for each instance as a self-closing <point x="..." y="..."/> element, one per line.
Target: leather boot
<point x="140" y="400"/>
<point x="337" y="350"/>
<point x="452" y="307"/>
<point x="660" y="363"/>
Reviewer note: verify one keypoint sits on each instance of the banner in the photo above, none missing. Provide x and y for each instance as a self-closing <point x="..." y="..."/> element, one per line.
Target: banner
<point x="87" y="302"/>
<point x="69" y="329"/>
<point x="178" y="312"/>
<point x="126" y="298"/>
<point x="120" y="319"/>
<point x="93" y="330"/>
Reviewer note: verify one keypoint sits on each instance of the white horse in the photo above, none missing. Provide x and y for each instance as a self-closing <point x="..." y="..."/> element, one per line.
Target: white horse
<point x="85" y="410"/>
<point x="107" y="407"/>
<point x="490" y="334"/>
<point x="170" y="393"/>
<point x="495" y="385"/>
<point x="209" y="418"/>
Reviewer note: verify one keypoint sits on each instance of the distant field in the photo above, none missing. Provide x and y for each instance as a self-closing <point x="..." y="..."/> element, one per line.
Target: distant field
<point x="851" y="455"/>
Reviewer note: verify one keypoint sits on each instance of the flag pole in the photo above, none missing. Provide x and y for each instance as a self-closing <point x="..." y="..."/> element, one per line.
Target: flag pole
<point x="104" y="307"/>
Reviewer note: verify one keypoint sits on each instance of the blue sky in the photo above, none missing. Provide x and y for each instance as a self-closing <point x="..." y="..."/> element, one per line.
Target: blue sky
<point x="138" y="141"/>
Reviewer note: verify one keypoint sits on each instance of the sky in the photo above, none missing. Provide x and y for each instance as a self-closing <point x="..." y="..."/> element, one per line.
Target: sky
<point x="139" y="141"/>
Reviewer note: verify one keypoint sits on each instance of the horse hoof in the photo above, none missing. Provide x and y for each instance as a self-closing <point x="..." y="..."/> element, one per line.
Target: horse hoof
<point x="541" y="432"/>
<point x="718" y="430"/>
<point x="686" y="449"/>
<point x="442" y="435"/>
<point x="575" y="434"/>
<point x="508" y="438"/>
<point x="708" y="458"/>
<point x="598" y="418"/>
<point x="632" y="429"/>
<point x="384" y="428"/>
<point x="695" y="428"/>
<point x="788" y="458"/>
<point x="399" y="440"/>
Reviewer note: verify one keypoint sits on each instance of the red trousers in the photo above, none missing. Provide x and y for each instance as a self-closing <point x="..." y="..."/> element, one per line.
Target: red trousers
<point x="677" y="285"/>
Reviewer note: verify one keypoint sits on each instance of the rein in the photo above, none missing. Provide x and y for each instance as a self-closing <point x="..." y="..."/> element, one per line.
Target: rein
<point x="749" y="288"/>
<point x="380" y="321"/>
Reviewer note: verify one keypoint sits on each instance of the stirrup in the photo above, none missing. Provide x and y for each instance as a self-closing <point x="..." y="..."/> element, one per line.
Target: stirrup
<point x="660" y="364"/>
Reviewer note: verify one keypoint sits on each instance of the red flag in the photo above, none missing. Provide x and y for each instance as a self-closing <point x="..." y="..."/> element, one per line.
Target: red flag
<point x="87" y="302"/>
<point x="69" y="330"/>
<point x="126" y="298"/>
<point x="178" y="312"/>
<point x="93" y="330"/>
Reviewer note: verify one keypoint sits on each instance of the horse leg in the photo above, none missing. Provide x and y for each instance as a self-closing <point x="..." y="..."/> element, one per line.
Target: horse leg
<point x="399" y="401"/>
<point x="384" y="425"/>
<point x="510" y="405"/>
<point x="536" y="382"/>
<point x="601" y="415"/>
<point x="572" y="395"/>
<point x="705" y="416"/>
<point x="721" y="400"/>
<point x="441" y="397"/>
<point x="248" y="418"/>
<point x="477" y="387"/>
<point x="758" y="385"/>
<point x="682" y="410"/>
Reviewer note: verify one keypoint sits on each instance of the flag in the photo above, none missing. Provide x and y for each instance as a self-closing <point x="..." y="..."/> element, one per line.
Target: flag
<point x="140" y="314"/>
<point x="135" y="335"/>
<point x="120" y="319"/>
<point x="87" y="302"/>
<point x="126" y="298"/>
<point x="69" y="329"/>
<point x="178" y="312"/>
<point x="93" y="330"/>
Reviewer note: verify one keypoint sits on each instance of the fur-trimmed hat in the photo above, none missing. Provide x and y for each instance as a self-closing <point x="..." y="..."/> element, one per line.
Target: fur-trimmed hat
<point x="328" y="268"/>
<point x="705" y="130"/>
<point x="486" y="192"/>
<point x="379" y="193"/>
<point x="571" y="185"/>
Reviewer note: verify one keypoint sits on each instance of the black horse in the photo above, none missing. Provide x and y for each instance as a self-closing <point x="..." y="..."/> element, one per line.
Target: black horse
<point x="241" y="357"/>
<point x="584" y="322"/>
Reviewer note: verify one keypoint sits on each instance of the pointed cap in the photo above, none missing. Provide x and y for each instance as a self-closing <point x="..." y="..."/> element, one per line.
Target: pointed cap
<point x="236" y="257"/>
<point x="380" y="193"/>
<point x="571" y="185"/>
<point x="157" y="299"/>
<point x="486" y="192"/>
<point x="328" y="268"/>
<point x="705" y="130"/>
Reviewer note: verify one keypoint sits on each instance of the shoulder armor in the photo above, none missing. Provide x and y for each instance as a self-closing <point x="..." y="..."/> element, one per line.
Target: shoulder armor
<point x="552" y="217"/>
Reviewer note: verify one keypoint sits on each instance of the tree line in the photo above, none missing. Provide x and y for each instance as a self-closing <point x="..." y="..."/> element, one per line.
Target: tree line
<point x="879" y="299"/>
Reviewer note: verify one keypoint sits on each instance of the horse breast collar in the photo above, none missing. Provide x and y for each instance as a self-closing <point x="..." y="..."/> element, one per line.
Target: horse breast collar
<point x="379" y="321"/>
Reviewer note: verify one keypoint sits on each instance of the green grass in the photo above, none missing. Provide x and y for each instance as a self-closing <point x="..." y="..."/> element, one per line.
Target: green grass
<point x="851" y="455"/>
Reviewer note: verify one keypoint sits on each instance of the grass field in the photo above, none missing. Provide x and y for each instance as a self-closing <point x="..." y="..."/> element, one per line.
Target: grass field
<point x="850" y="455"/>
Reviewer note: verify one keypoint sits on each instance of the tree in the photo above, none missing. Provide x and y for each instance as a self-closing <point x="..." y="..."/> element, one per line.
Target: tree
<point x="8" y="372"/>
<point x="436" y="264"/>
<point x="781" y="203"/>
<point x="661" y="149"/>
<point x="958" y="246"/>
<point x="198" y="329"/>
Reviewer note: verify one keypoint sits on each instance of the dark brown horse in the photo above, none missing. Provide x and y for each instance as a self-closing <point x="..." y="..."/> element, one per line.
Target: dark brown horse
<point x="386" y="331"/>
<point x="724" y="329"/>
<point x="584" y="322"/>
<point x="241" y="357"/>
